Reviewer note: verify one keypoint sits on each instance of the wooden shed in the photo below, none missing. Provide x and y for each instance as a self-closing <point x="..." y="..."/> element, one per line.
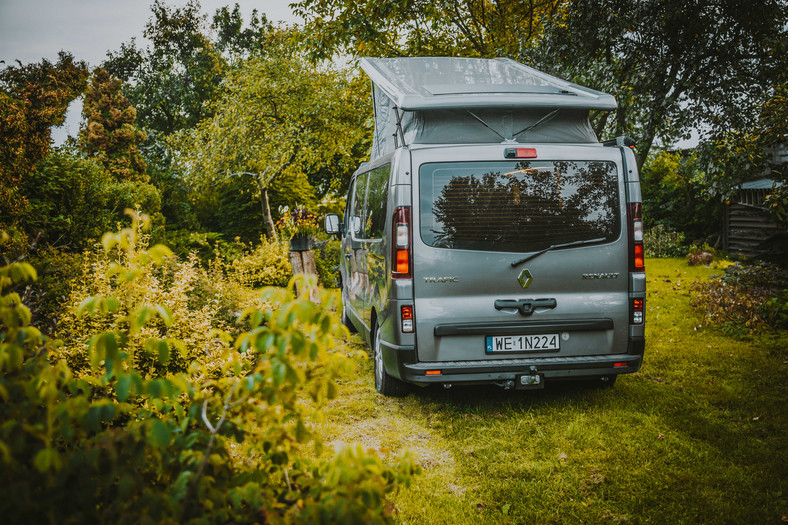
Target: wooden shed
<point x="747" y="224"/>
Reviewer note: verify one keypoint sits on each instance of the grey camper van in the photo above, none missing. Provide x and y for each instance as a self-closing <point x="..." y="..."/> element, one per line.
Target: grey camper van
<point x="491" y="238"/>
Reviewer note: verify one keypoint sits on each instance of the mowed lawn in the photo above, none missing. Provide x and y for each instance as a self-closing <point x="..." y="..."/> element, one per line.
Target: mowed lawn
<point x="699" y="435"/>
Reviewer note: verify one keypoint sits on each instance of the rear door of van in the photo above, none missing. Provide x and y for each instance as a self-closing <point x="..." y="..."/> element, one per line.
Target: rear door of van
<point x="500" y="242"/>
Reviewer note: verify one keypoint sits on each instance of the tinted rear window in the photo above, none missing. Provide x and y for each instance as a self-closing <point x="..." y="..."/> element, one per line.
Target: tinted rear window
<point x="517" y="206"/>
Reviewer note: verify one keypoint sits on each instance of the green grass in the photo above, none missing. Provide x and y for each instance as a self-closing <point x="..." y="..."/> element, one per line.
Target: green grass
<point x="700" y="434"/>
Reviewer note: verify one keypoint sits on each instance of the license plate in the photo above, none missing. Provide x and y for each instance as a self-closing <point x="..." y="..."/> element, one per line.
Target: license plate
<point x="522" y="343"/>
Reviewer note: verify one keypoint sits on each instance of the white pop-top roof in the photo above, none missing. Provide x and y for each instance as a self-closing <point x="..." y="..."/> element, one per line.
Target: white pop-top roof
<point x="427" y="83"/>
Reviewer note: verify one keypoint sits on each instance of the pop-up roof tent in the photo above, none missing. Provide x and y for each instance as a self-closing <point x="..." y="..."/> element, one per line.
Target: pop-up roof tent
<point x="472" y="100"/>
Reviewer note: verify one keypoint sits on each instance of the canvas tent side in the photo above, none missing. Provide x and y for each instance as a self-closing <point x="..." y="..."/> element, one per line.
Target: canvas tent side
<point x="443" y="100"/>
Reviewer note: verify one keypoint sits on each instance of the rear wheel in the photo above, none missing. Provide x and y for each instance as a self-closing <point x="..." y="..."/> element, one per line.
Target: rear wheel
<point x="384" y="383"/>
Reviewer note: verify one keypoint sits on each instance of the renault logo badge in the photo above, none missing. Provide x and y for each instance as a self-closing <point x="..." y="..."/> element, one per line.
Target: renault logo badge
<point x="525" y="278"/>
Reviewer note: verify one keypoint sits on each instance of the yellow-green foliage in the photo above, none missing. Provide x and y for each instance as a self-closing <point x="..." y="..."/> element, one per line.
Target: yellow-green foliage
<point x="266" y="265"/>
<point x="197" y="301"/>
<point x="131" y="442"/>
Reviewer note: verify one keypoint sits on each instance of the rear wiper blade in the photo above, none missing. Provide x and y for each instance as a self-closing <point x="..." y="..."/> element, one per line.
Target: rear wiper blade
<point x="555" y="247"/>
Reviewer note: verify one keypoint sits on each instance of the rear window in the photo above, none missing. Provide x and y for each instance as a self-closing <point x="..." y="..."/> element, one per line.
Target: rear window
<point x="519" y="206"/>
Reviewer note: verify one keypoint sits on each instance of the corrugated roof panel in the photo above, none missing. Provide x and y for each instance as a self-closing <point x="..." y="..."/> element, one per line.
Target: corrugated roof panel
<point x="760" y="184"/>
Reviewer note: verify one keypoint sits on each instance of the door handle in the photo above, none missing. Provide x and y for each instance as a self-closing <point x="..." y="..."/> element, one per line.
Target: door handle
<point x="526" y="307"/>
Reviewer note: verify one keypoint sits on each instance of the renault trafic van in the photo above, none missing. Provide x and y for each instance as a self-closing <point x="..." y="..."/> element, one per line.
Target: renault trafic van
<point x="491" y="238"/>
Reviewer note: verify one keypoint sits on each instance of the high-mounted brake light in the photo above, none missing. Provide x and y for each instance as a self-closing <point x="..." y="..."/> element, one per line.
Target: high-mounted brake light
<point x="637" y="255"/>
<point x="401" y="248"/>
<point x="519" y="153"/>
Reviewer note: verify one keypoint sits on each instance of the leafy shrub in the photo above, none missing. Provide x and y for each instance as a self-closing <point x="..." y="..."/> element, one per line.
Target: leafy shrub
<point x="327" y="255"/>
<point x="746" y="298"/>
<point x="67" y="199"/>
<point x="704" y="254"/>
<point x="660" y="242"/>
<point x="119" y="196"/>
<point x="679" y="192"/>
<point x="208" y="246"/>
<point x="199" y="301"/>
<point x="117" y="445"/>
<point x="700" y="258"/>
<point x="57" y="270"/>
<point x="267" y="264"/>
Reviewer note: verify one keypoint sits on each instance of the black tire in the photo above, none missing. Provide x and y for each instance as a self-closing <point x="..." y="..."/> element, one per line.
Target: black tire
<point x="384" y="383"/>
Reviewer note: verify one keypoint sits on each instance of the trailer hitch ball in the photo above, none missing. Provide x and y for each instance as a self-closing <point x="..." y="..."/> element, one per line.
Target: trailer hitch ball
<point x="447" y="385"/>
<point x="508" y="384"/>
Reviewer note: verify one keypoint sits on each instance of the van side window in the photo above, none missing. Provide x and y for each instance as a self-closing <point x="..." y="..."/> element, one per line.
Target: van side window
<point x="377" y="195"/>
<point x="368" y="206"/>
<point x="356" y="219"/>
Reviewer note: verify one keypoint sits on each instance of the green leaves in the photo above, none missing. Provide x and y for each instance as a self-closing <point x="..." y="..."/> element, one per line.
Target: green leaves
<point x="47" y="459"/>
<point x="214" y="443"/>
<point x="279" y="117"/>
<point x="159" y="434"/>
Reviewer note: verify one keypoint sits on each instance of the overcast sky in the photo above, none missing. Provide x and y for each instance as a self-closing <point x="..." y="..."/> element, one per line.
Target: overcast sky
<point x="34" y="29"/>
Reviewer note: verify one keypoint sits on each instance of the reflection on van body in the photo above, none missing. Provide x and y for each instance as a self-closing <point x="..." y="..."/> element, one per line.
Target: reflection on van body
<point x="485" y="262"/>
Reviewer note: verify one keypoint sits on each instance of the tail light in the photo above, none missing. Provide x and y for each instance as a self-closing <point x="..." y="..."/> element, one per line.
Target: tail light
<point x="637" y="255"/>
<point x="406" y="314"/>
<point x="637" y="310"/>
<point x="401" y="251"/>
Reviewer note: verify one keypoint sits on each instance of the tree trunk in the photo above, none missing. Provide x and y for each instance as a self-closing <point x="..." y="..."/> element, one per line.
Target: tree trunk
<point x="601" y="122"/>
<point x="270" y="227"/>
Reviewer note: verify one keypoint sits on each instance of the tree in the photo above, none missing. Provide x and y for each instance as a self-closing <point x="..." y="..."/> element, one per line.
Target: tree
<point x="279" y="116"/>
<point x="169" y="82"/>
<point x="110" y="134"/>
<point x="679" y="194"/>
<point x="423" y="27"/>
<point x="33" y="98"/>
<point x="172" y="82"/>
<point x="672" y="65"/>
<point x="231" y="36"/>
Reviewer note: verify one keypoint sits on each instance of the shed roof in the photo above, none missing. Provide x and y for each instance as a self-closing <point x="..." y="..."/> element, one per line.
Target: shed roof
<point x="759" y="184"/>
<point x="426" y="83"/>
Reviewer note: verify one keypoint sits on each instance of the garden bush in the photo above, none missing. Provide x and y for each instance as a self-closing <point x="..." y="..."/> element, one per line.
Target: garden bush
<point x="198" y="302"/>
<point x="122" y="444"/>
<point x="327" y="253"/>
<point x="746" y="298"/>
<point x="660" y="242"/>
<point x="267" y="264"/>
<point x="68" y="201"/>
<point x="57" y="270"/>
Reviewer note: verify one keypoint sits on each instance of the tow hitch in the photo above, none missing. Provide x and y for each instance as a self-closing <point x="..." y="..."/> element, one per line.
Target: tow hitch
<point x="531" y="380"/>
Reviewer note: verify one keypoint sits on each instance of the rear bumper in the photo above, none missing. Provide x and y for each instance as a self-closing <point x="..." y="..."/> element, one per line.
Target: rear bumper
<point x="401" y="362"/>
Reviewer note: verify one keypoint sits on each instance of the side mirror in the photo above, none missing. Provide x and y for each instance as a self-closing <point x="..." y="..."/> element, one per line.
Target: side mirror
<point x="332" y="224"/>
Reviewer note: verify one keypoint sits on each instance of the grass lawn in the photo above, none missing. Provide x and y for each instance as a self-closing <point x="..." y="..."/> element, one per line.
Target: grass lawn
<point x="700" y="434"/>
